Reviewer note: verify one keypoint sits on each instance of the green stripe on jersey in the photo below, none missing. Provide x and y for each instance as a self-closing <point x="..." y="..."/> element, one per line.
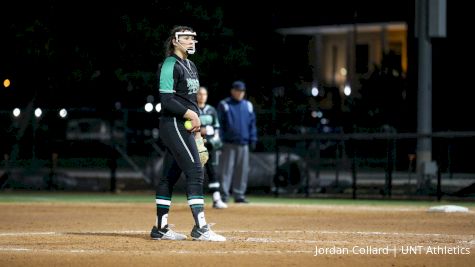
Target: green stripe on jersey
<point x="166" y="75"/>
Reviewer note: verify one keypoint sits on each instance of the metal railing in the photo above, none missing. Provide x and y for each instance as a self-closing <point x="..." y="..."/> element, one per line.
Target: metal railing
<point x="350" y="144"/>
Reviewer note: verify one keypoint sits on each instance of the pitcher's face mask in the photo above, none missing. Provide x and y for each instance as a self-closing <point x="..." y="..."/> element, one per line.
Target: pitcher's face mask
<point x="186" y="40"/>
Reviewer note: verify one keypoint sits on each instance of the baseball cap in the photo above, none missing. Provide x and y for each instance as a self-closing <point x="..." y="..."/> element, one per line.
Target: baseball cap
<point x="239" y="85"/>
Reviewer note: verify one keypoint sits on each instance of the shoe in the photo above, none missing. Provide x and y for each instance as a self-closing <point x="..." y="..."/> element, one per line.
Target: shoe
<point x="219" y="205"/>
<point x="206" y="234"/>
<point x="241" y="201"/>
<point x="165" y="234"/>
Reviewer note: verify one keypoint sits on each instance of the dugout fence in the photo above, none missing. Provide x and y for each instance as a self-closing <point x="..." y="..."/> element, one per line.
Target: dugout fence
<point x="369" y="164"/>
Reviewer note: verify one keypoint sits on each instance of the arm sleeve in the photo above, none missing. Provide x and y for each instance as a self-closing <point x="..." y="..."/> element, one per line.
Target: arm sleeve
<point x="170" y="104"/>
<point x="168" y="76"/>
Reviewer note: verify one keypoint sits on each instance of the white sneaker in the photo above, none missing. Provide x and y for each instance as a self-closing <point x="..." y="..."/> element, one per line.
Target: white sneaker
<point x="166" y="234"/>
<point x="206" y="234"/>
<point x="220" y="204"/>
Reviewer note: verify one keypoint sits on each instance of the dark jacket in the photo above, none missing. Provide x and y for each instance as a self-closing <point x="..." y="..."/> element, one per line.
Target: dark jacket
<point x="238" y="122"/>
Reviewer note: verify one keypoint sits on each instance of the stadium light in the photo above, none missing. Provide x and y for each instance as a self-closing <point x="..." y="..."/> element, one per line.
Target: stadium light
<point x="38" y="112"/>
<point x="314" y="91"/>
<point x="148" y="107"/>
<point x="16" y="112"/>
<point x="6" y="83"/>
<point x="343" y="71"/>
<point x="63" y="113"/>
<point x="158" y="107"/>
<point x="347" y="90"/>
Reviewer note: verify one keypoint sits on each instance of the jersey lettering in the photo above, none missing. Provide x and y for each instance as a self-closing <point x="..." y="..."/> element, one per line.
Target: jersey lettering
<point x="193" y="85"/>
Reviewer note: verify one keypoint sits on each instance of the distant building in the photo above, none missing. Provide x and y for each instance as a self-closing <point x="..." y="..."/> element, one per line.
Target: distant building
<point x="340" y="54"/>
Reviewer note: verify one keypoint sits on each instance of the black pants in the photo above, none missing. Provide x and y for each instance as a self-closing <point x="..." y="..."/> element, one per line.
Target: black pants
<point x="210" y="170"/>
<point x="181" y="156"/>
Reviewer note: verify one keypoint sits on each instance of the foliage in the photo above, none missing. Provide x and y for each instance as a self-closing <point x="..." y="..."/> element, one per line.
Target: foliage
<point x="117" y="49"/>
<point x="384" y="98"/>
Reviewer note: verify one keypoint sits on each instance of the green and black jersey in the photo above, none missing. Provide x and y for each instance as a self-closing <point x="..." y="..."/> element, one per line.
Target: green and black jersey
<point x="209" y="120"/>
<point x="178" y="84"/>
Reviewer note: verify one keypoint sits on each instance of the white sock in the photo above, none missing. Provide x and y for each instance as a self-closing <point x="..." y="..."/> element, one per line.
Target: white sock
<point x="201" y="219"/>
<point x="216" y="196"/>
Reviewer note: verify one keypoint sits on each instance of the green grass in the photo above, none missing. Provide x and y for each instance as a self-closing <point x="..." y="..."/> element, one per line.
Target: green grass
<point x="80" y="197"/>
<point x="149" y="197"/>
<point x="366" y="202"/>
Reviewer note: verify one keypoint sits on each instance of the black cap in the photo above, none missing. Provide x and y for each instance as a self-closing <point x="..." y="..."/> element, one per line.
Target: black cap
<point x="239" y="85"/>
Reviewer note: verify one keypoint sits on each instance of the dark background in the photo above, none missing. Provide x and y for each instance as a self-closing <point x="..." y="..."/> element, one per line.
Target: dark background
<point x="92" y="54"/>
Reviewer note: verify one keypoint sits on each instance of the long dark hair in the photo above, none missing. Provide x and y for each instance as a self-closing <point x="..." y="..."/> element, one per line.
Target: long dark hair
<point x="169" y="48"/>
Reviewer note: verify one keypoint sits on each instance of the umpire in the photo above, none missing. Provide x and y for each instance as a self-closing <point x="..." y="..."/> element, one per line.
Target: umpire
<point x="238" y="132"/>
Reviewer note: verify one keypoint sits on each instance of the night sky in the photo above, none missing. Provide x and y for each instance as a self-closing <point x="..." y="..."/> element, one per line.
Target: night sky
<point x="82" y="53"/>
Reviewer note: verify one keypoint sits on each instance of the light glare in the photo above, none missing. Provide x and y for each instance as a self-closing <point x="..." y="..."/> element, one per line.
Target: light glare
<point x="148" y="107"/>
<point x="63" y="113"/>
<point x="38" y="112"/>
<point x="16" y="112"/>
<point x="347" y="90"/>
<point x="315" y="91"/>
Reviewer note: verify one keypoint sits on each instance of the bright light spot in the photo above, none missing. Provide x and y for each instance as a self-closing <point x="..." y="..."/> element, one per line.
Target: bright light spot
<point x="324" y="121"/>
<point x="148" y="107"/>
<point x="319" y="114"/>
<point x="16" y="112"/>
<point x="63" y="113"/>
<point x="158" y="107"/>
<point x="38" y="112"/>
<point x="343" y="71"/>
<point x="315" y="91"/>
<point x="314" y="114"/>
<point x="347" y="90"/>
<point x="6" y="83"/>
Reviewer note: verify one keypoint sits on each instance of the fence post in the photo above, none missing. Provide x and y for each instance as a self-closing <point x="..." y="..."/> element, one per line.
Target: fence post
<point x="112" y="162"/>
<point x="337" y="164"/>
<point x="319" y="165"/>
<point x="389" y="168"/>
<point x="6" y="174"/>
<point x="276" y="174"/>
<point x="353" y="168"/>
<point x="51" y="184"/>
<point x="439" y="186"/>
<point x="449" y="159"/>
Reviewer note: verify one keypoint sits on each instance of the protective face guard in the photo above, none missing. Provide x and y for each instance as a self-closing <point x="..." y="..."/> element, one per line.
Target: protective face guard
<point x="190" y="50"/>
